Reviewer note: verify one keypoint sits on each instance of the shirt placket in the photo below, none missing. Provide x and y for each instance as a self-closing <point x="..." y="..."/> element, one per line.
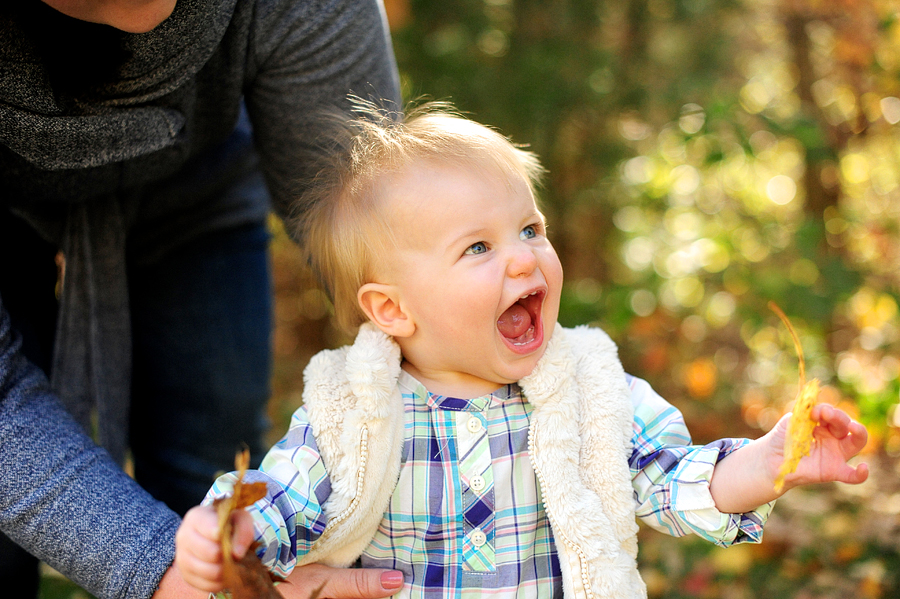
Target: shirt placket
<point x="476" y="476"/>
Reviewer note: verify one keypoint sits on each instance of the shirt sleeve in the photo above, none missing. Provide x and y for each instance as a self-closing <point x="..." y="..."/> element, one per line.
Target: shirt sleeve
<point x="290" y="518"/>
<point x="671" y="477"/>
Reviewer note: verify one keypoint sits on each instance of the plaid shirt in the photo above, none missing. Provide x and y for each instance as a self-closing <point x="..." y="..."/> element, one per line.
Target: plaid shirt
<point x="467" y="519"/>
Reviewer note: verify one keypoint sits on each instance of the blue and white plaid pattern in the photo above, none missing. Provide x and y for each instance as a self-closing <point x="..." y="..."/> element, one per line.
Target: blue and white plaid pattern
<point x="467" y="517"/>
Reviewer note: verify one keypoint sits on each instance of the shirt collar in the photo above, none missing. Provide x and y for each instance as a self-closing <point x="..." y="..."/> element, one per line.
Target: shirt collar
<point x="443" y="402"/>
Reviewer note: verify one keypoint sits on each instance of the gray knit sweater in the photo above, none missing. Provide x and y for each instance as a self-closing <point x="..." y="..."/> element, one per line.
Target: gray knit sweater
<point x="108" y="139"/>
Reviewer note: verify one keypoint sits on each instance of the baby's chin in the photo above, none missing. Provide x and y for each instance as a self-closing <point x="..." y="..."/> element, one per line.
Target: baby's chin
<point x="521" y="365"/>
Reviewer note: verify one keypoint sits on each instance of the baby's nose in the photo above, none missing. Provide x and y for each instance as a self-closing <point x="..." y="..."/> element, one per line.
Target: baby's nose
<point x="522" y="263"/>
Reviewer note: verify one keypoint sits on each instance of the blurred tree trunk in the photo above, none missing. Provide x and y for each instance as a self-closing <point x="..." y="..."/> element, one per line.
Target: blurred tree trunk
<point x="818" y="196"/>
<point x="854" y="25"/>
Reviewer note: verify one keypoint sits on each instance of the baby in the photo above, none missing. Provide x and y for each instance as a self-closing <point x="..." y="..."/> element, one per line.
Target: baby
<point x="465" y="438"/>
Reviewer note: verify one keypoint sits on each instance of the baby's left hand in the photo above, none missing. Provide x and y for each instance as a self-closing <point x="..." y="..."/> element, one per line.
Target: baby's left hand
<point x="837" y="439"/>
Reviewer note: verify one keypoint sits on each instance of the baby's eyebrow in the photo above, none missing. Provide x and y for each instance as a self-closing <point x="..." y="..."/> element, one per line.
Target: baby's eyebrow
<point x="475" y="235"/>
<point x="537" y="214"/>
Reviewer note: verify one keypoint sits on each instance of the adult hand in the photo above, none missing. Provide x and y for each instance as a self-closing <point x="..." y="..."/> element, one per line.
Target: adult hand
<point x="173" y="586"/>
<point x="332" y="583"/>
<point x="340" y="583"/>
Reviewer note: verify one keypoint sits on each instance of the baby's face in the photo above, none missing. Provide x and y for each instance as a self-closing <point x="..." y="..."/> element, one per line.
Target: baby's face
<point x="476" y="273"/>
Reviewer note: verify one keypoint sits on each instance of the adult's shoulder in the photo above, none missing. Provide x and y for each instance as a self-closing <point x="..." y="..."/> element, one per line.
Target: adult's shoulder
<point x="306" y="17"/>
<point x="328" y="46"/>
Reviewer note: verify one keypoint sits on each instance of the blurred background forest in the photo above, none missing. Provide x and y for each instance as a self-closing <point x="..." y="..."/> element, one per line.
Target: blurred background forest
<point x="704" y="157"/>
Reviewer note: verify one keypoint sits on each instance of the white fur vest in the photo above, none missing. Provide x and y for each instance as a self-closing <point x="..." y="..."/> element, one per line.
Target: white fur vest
<point x="579" y="444"/>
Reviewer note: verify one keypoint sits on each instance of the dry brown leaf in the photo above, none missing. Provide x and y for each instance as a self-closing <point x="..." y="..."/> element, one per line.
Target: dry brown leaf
<point x="247" y="578"/>
<point x="799" y="438"/>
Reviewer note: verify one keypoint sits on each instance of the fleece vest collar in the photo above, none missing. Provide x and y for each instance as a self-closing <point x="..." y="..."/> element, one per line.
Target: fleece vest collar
<point x="579" y="444"/>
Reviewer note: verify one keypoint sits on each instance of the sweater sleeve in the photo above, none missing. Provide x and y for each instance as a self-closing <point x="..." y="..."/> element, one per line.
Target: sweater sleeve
<point x="307" y="57"/>
<point x="63" y="498"/>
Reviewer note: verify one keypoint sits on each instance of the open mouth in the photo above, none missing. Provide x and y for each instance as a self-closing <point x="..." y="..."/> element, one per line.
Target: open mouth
<point x="520" y="324"/>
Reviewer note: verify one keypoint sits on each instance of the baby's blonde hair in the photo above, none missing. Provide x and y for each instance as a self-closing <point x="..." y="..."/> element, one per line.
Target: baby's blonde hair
<point x="336" y="217"/>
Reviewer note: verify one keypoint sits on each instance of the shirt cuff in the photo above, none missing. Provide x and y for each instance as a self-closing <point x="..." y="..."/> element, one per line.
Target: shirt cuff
<point x="693" y="504"/>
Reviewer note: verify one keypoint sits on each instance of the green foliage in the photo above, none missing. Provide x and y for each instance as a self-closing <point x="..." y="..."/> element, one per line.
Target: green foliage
<point x="704" y="158"/>
<point x="56" y="587"/>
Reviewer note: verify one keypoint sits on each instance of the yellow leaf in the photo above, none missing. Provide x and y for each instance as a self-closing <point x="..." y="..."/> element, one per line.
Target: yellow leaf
<point x="798" y="440"/>
<point x="248" y="578"/>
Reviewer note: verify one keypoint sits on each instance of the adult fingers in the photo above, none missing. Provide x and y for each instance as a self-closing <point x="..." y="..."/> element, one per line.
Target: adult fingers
<point x="341" y="583"/>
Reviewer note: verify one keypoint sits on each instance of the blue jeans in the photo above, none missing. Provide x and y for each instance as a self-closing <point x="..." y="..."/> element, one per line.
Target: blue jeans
<point x="201" y="320"/>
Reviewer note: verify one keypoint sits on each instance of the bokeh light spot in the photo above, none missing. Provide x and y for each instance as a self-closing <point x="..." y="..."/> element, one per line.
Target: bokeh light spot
<point x="643" y="302"/>
<point x="890" y="108"/>
<point x="781" y="189"/>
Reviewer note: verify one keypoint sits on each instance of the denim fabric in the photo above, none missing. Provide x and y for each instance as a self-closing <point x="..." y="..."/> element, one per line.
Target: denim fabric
<point x="201" y="321"/>
<point x="202" y="318"/>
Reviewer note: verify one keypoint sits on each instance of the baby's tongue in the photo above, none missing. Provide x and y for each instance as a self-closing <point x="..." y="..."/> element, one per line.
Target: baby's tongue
<point x="514" y="322"/>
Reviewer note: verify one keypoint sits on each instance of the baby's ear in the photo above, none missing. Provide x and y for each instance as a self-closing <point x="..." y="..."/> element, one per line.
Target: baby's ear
<point x="381" y="304"/>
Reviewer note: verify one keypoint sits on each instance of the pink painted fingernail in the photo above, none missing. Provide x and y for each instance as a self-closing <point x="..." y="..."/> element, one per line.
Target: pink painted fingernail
<point x="392" y="579"/>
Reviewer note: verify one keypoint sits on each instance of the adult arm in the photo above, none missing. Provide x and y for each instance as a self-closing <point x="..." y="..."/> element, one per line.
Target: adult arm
<point x="64" y="500"/>
<point x="307" y="57"/>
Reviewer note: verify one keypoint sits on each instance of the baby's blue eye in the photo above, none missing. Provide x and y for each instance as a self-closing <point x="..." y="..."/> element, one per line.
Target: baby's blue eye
<point x="476" y="248"/>
<point x="528" y="232"/>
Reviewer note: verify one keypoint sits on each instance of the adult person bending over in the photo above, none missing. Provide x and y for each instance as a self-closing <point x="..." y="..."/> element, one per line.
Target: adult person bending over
<point x="124" y="145"/>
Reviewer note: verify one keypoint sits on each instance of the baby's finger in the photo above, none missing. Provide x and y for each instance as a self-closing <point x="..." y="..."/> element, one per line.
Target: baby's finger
<point x="780" y="428"/>
<point x="243" y="533"/>
<point x="836" y="421"/>
<point x="856" y="439"/>
<point x="204" y="520"/>
<point x="200" y="574"/>
<point x="206" y="550"/>
<point x="861" y="473"/>
<point x="853" y="476"/>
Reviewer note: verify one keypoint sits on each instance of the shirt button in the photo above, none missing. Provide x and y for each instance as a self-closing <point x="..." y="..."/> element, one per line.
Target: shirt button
<point x="474" y="424"/>
<point x="477" y="537"/>
<point x="477" y="483"/>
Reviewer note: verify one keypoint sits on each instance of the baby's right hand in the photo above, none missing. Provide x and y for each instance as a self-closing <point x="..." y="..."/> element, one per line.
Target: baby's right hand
<point x="198" y="553"/>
